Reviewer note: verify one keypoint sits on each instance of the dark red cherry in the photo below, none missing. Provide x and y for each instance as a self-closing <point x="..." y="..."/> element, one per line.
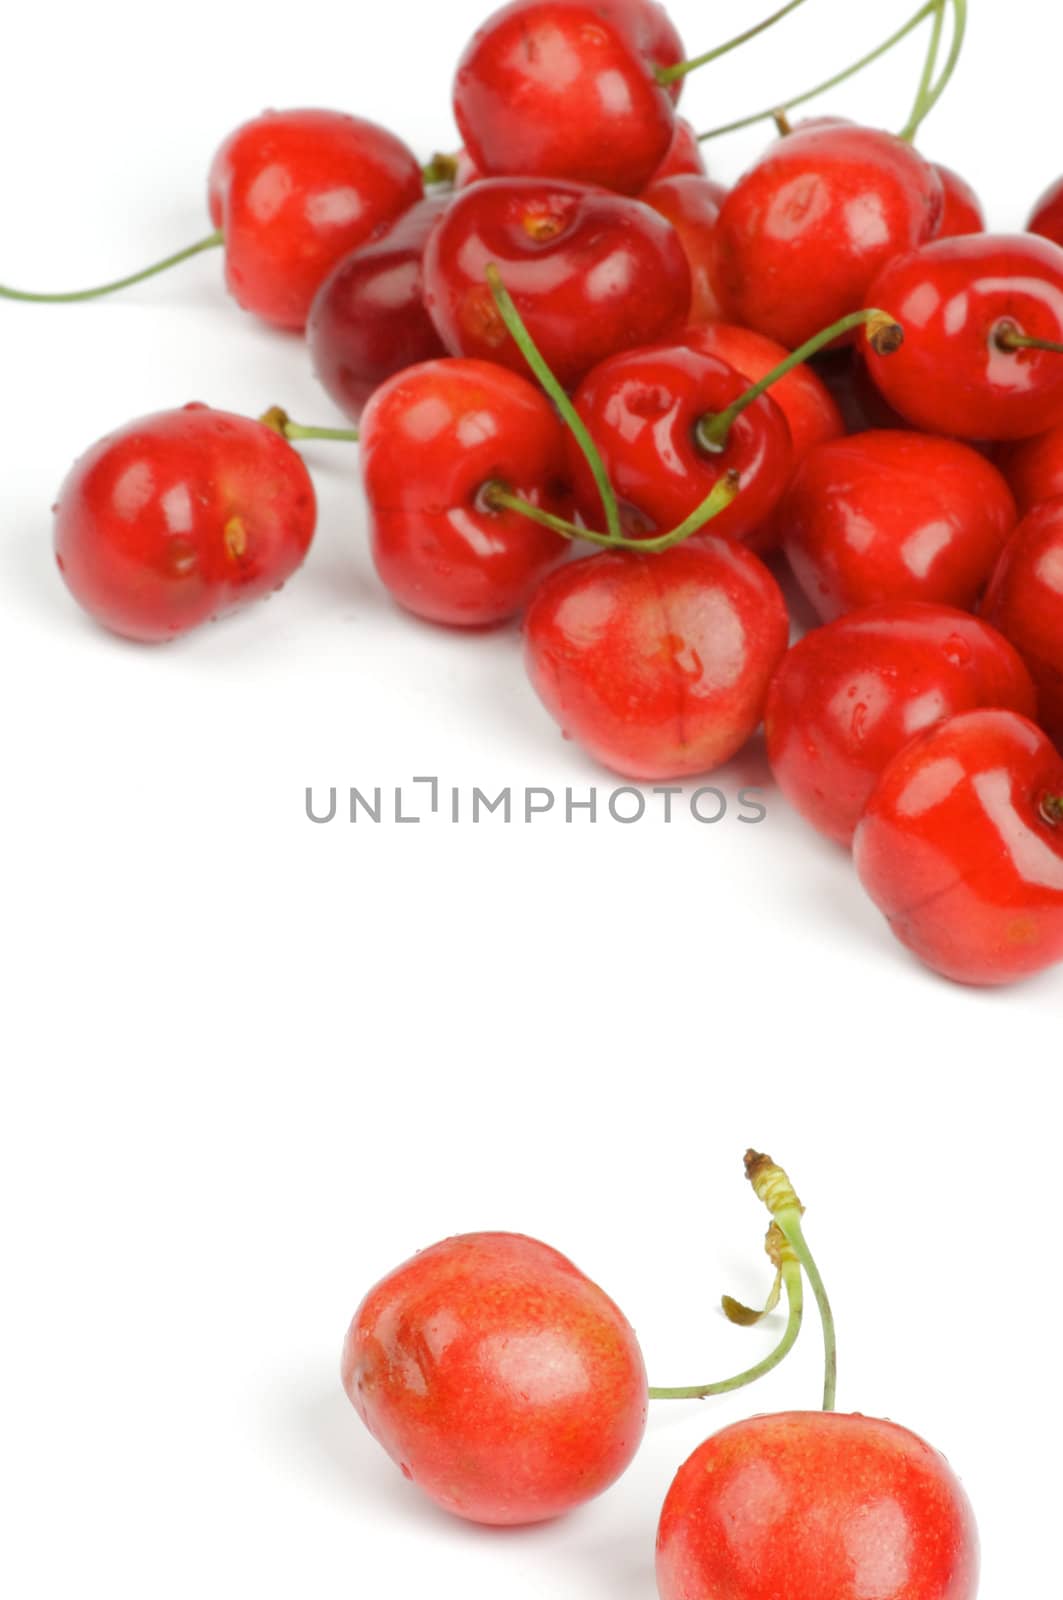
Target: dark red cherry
<point x="1034" y="468"/>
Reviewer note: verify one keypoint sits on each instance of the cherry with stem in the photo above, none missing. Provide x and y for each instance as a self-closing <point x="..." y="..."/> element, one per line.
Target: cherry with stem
<point x="213" y="241"/>
<point x="669" y="75"/>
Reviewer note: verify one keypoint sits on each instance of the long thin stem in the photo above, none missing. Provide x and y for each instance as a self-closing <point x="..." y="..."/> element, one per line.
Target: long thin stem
<point x="793" y="1283"/>
<point x="281" y="423"/>
<point x="931" y="97"/>
<point x="1007" y="336"/>
<point x="212" y="242"/>
<point x="829" y="83"/>
<point x="667" y="75"/>
<point x="530" y="351"/>
<point x="498" y="498"/>
<point x="933" y="49"/>
<point x="724" y="492"/>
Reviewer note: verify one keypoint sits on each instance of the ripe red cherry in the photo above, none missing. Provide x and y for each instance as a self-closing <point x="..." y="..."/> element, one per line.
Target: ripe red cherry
<point x="812" y="414"/>
<point x="802" y="235"/>
<point x="589" y="272"/>
<point x="963" y="302"/>
<point x="1034" y="468"/>
<point x="961" y="848"/>
<point x="690" y="205"/>
<point x="659" y="664"/>
<point x="1046" y="219"/>
<point x="1025" y="601"/>
<point x="684" y="156"/>
<point x="557" y="89"/>
<point x="962" y="212"/>
<point x="894" y="516"/>
<point x="368" y="320"/>
<point x="294" y="192"/>
<point x="179" y="517"/>
<point x="434" y="440"/>
<point x="500" y="1379"/>
<point x="816" y="1506"/>
<point x="849" y="696"/>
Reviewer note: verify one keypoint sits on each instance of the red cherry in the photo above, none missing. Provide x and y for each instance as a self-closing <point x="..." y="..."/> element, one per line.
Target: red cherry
<point x="368" y="320"/>
<point x="811" y="412"/>
<point x="500" y="1379"/>
<point x="434" y="440"/>
<point x="961" y="848"/>
<point x="642" y="409"/>
<point x="179" y="517"/>
<point x="1046" y="218"/>
<point x="816" y="1506"/>
<point x="963" y="212"/>
<point x="1034" y="468"/>
<point x="894" y="516"/>
<point x="849" y="696"/>
<point x="556" y="89"/>
<point x="589" y="272"/>
<point x="658" y="665"/>
<point x="963" y="302"/>
<point x="1025" y="601"/>
<point x="294" y="192"/>
<point x="684" y="156"/>
<point x="803" y="234"/>
<point x="689" y="203"/>
<point x="651" y="31"/>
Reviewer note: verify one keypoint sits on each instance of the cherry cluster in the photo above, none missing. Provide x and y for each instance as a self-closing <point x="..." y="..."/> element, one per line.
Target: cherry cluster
<point x="567" y="340"/>
<point x="510" y="1388"/>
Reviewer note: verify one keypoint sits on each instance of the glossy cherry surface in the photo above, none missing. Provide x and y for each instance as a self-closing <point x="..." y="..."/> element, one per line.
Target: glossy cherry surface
<point x="433" y="439"/>
<point x="500" y="1379"/>
<point x="816" y="1506"/>
<point x="684" y="155"/>
<point x="802" y="235"/>
<point x="368" y="320"/>
<point x="1034" y="468"/>
<point x="294" y="192"/>
<point x="589" y="272"/>
<point x="658" y="665"/>
<point x="1046" y="219"/>
<point x="961" y="848"/>
<point x="180" y="516"/>
<point x="812" y="414"/>
<point x="958" y="299"/>
<point x="1025" y="601"/>
<point x="962" y="211"/>
<point x="556" y="89"/>
<point x="887" y="516"/>
<point x="690" y="204"/>
<point x="851" y="695"/>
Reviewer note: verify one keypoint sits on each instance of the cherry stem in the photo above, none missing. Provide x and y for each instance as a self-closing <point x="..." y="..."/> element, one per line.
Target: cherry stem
<point x="669" y="75"/>
<point x="281" y="423"/>
<point x="932" y="93"/>
<point x="530" y="351"/>
<point x="497" y="497"/>
<point x="886" y="336"/>
<point x="213" y="242"/>
<point x="442" y="168"/>
<point x="1007" y="336"/>
<point x="1052" y="809"/>
<point x="829" y="83"/>
<point x="926" y="81"/>
<point x="794" y="1285"/>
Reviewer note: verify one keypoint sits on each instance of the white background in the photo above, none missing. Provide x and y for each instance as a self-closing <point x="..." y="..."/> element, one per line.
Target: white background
<point x="252" y="1064"/>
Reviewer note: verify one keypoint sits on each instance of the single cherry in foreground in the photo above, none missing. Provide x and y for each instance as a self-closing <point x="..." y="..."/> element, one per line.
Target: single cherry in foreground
<point x="500" y="1379"/>
<point x="961" y="848"/>
<point x="179" y="517"/>
<point x="1025" y="601"/>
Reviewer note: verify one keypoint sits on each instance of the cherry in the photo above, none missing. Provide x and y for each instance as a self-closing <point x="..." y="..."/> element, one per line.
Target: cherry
<point x="1046" y="218"/>
<point x="849" y="696"/>
<point x="500" y="1379"/>
<point x="690" y="204"/>
<point x="816" y="1506"/>
<point x="684" y="157"/>
<point x="179" y="517"/>
<point x="811" y="412"/>
<point x="801" y="237"/>
<point x="887" y="516"/>
<point x="437" y="440"/>
<point x="962" y="212"/>
<point x="976" y="311"/>
<point x="368" y="320"/>
<point x="590" y="273"/>
<point x="658" y="665"/>
<point x="1034" y="468"/>
<point x="1025" y="601"/>
<point x="961" y="848"/>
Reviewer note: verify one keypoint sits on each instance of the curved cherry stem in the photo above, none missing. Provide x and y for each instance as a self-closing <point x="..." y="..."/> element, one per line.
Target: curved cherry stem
<point x="794" y="1286"/>
<point x="886" y="336"/>
<point x="669" y="75"/>
<point x="213" y="242"/>
<point x="771" y="111"/>
<point x="932" y="92"/>
<point x="499" y="498"/>
<point x="933" y="50"/>
<point x="1008" y="336"/>
<point x="279" y="420"/>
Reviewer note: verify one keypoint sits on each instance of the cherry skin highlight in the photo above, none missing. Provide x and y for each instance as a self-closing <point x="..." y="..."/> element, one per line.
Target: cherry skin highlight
<point x="500" y="1379"/>
<point x="179" y="517"/>
<point x="294" y="192"/>
<point x="590" y="273"/>
<point x="816" y="1506"/>
<point x="1025" y="601"/>
<point x="434" y="439"/>
<point x="658" y="665"/>
<point x="689" y="203"/>
<point x="961" y="848"/>
<point x="802" y="235"/>
<point x="888" y="516"/>
<point x="962" y="212"/>
<point x="368" y="320"/>
<point x="850" y="696"/>
<point x="812" y="414"/>
<point x="959" y="301"/>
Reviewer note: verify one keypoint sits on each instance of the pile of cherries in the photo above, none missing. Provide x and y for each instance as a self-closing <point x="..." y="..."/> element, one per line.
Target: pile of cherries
<point x="569" y="340"/>
<point x="510" y="1388"/>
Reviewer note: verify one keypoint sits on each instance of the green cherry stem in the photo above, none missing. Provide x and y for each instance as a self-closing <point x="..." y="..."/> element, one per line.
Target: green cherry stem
<point x="794" y="1286"/>
<point x="932" y="94"/>
<point x="1052" y="809"/>
<point x="281" y="423"/>
<point x="530" y="351"/>
<point x="668" y="75"/>
<point x="933" y="50"/>
<point x="213" y="242"/>
<point x="1008" y="336"/>
<point x="442" y="168"/>
<point x="886" y="336"/>
<point x="498" y="498"/>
